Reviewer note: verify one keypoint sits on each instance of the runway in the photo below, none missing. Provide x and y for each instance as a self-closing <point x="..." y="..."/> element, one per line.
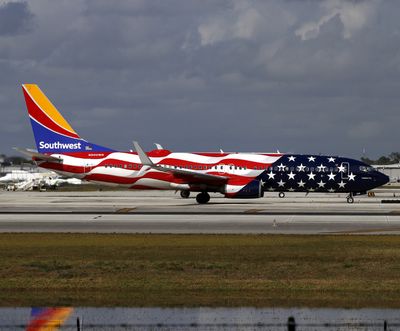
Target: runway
<point x="165" y="212"/>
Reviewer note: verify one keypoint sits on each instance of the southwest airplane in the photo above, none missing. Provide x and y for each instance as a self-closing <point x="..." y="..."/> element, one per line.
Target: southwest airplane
<point x="235" y="175"/>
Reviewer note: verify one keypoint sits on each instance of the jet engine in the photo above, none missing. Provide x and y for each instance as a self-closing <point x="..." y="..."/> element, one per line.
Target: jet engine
<point x="252" y="190"/>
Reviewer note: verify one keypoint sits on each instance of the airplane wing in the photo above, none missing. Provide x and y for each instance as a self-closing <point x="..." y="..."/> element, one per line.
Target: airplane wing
<point x="186" y="175"/>
<point x="35" y="155"/>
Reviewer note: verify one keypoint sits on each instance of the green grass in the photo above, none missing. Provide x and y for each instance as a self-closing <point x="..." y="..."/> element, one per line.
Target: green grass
<point x="199" y="270"/>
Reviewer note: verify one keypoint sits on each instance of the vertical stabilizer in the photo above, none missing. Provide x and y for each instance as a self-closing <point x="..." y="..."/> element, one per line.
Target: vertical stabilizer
<point x="53" y="134"/>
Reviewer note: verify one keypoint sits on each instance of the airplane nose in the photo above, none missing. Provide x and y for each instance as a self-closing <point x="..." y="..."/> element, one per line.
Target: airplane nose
<point x="381" y="179"/>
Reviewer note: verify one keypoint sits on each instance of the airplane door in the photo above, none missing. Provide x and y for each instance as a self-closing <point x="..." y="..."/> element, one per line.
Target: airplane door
<point x="346" y="172"/>
<point x="86" y="167"/>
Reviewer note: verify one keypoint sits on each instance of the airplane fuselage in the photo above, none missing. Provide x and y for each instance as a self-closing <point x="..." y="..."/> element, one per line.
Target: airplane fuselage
<point x="248" y="175"/>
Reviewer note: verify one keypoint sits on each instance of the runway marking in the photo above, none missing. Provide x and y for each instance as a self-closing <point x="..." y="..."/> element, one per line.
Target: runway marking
<point x="124" y="210"/>
<point x="252" y="211"/>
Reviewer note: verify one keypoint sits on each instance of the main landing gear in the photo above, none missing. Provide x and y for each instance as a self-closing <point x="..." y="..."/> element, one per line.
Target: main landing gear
<point x="281" y="194"/>
<point x="350" y="198"/>
<point x="185" y="194"/>
<point x="202" y="198"/>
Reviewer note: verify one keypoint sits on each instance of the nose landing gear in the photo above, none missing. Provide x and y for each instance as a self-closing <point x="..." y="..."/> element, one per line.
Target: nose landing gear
<point x="202" y="198"/>
<point x="350" y="198"/>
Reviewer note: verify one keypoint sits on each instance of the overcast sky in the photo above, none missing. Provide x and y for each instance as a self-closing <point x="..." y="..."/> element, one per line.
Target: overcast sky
<point x="298" y="76"/>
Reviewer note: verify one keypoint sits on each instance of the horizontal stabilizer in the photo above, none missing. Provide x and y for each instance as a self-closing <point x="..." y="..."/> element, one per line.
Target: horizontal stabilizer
<point x="34" y="154"/>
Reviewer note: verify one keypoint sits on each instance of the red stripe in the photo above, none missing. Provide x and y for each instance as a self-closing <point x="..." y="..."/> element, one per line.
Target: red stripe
<point x="211" y="154"/>
<point x="158" y="153"/>
<point x="167" y="177"/>
<point x="39" y="116"/>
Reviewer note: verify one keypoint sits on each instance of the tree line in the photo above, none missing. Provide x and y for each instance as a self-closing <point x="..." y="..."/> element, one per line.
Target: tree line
<point x="390" y="159"/>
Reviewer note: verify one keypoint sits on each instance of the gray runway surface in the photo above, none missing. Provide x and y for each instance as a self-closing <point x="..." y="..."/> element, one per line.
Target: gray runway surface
<point x="165" y="212"/>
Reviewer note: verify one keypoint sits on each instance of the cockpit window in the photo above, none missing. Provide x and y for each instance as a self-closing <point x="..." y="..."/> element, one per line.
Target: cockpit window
<point x="365" y="169"/>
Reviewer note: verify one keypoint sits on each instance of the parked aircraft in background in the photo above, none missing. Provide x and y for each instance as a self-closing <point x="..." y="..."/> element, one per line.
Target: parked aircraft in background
<point x="22" y="180"/>
<point x="236" y="175"/>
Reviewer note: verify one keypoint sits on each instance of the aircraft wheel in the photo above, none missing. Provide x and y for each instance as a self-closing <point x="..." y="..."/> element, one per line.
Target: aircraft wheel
<point x="202" y="198"/>
<point x="350" y="199"/>
<point x="281" y="194"/>
<point x="185" y="194"/>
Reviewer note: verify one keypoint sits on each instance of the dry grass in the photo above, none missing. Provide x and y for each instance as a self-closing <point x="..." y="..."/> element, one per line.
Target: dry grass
<point x="199" y="270"/>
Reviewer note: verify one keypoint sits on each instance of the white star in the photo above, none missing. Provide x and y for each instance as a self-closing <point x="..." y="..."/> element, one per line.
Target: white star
<point x="281" y="167"/>
<point x="271" y="175"/>
<point x="321" y="184"/>
<point x="321" y="168"/>
<point x="342" y="168"/>
<point x="311" y="189"/>
<point x="342" y="184"/>
<point x="271" y="189"/>
<point x="291" y="158"/>
<point x="262" y="183"/>
<point x="291" y="175"/>
<point x="331" y="190"/>
<point x="352" y="176"/>
<point x="291" y="190"/>
<point x="311" y="175"/>
<point x="301" y="167"/>
<point x="331" y="159"/>
<point x="281" y="183"/>
<point x="331" y="176"/>
<point x="301" y="183"/>
<point x="311" y="159"/>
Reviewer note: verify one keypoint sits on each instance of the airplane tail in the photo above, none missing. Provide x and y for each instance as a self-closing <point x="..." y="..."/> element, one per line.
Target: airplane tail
<point x="53" y="134"/>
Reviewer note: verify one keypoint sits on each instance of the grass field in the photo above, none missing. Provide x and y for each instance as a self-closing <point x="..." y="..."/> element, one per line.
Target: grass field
<point x="199" y="270"/>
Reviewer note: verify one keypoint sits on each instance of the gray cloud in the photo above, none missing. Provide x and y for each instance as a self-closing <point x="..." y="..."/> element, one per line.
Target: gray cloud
<point x="200" y="75"/>
<point x="15" y="18"/>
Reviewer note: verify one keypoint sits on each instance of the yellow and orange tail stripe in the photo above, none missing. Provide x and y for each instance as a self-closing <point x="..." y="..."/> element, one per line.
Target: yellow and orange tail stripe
<point x="43" y="111"/>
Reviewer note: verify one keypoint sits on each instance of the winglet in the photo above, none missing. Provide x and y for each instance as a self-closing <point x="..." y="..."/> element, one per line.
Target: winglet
<point x="158" y="146"/>
<point x="142" y="155"/>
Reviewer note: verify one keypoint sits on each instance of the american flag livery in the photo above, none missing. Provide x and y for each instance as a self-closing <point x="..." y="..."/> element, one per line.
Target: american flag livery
<point x="236" y="175"/>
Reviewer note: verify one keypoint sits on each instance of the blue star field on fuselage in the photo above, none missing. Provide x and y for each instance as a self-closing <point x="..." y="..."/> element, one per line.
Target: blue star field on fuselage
<point x="310" y="173"/>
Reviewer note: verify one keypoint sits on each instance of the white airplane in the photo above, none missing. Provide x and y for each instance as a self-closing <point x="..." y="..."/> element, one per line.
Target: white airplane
<point x="22" y="180"/>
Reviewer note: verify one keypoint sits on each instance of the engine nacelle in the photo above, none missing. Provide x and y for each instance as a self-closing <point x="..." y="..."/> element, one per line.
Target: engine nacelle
<point x="251" y="191"/>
